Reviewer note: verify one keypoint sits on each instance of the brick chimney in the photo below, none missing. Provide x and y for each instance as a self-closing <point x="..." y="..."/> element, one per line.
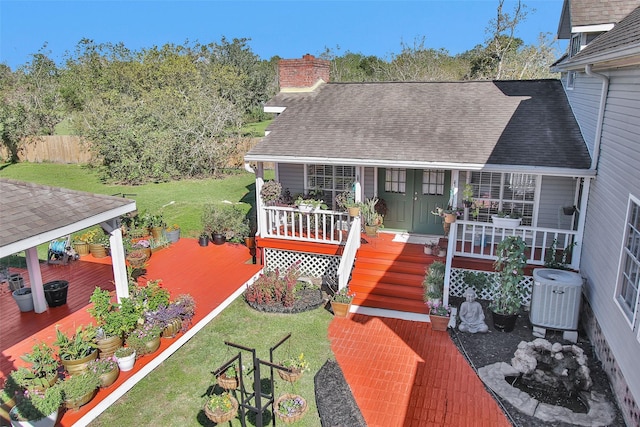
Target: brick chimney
<point x="302" y="75"/>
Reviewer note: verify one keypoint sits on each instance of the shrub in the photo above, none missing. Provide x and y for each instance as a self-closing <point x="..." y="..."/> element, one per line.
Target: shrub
<point x="275" y="288"/>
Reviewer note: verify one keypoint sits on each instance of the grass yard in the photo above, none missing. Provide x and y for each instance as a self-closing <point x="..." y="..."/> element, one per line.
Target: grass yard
<point x="189" y="196"/>
<point x="175" y="392"/>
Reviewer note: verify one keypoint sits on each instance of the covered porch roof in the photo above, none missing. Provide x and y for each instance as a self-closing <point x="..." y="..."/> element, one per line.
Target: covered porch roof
<point x="33" y="214"/>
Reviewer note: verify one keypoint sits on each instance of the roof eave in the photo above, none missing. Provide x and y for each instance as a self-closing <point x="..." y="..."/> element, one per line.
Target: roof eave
<point x="542" y="170"/>
<point x="50" y="235"/>
<point x="621" y="57"/>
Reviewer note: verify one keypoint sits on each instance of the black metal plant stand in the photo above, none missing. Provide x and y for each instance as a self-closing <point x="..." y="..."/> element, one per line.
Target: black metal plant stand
<point x="253" y="402"/>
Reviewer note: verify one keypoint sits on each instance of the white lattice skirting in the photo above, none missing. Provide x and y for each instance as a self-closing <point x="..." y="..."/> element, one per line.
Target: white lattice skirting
<point x="313" y="265"/>
<point x="457" y="285"/>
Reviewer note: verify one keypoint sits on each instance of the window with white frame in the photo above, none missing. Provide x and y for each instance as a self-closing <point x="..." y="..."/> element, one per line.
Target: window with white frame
<point x="327" y="181"/>
<point x="629" y="274"/>
<point x="506" y="192"/>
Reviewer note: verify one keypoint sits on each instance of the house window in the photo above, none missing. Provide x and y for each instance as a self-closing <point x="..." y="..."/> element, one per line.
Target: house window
<point x="326" y="181"/>
<point x="433" y="182"/>
<point x="576" y="44"/>
<point x="571" y="78"/>
<point x="629" y="274"/>
<point x="507" y="192"/>
<point x="395" y="180"/>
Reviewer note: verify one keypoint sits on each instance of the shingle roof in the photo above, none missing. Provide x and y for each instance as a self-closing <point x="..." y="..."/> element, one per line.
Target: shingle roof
<point x="524" y="123"/>
<point x="626" y="34"/>
<point x="35" y="212"/>
<point x="580" y="13"/>
<point x="590" y="12"/>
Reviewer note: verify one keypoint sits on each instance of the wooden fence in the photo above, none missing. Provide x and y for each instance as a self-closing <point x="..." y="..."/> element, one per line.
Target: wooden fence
<point x="53" y="149"/>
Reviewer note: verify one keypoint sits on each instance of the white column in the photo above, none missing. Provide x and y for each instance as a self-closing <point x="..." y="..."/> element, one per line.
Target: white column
<point x="119" y="267"/>
<point x="260" y="212"/>
<point x="35" y="279"/>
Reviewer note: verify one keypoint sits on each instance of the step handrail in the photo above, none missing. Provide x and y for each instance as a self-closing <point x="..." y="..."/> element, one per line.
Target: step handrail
<point x="349" y="254"/>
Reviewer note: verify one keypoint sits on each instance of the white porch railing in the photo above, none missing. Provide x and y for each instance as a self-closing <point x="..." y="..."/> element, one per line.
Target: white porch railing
<point x="320" y="226"/>
<point x="479" y="240"/>
<point x="349" y="254"/>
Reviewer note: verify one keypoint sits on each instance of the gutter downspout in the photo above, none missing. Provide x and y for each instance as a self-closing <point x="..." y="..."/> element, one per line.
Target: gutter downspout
<point x="603" y="102"/>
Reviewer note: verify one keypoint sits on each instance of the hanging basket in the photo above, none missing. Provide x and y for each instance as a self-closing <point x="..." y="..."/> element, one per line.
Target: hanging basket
<point x="227" y="383"/>
<point x="220" y="417"/>
<point x="290" y="418"/>
<point x="290" y="376"/>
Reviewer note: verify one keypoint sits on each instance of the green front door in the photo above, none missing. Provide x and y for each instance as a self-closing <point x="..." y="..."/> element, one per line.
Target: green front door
<point x="411" y="195"/>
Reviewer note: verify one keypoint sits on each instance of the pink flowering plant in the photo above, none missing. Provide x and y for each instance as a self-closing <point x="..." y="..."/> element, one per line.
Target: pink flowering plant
<point x="438" y="309"/>
<point x="140" y="336"/>
<point x="102" y="366"/>
<point x="142" y="244"/>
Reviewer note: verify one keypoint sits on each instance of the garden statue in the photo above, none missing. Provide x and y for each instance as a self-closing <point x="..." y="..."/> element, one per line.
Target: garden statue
<point x="472" y="314"/>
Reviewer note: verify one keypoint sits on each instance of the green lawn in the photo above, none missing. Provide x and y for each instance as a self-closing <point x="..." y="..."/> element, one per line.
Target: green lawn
<point x="183" y="201"/>
<point x="175" y="392"/>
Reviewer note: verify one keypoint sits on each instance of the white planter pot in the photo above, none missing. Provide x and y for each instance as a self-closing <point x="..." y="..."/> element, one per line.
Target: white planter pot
<point x="49" y="421"/>
<point x="24" y="299"/>
<point x="305" y="208"/>
<point x="126" y="363"/>
<point x="505" y="222"/>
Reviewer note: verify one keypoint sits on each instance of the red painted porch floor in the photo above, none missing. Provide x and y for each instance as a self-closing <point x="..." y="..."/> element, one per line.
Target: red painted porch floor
<point x="401" y="372"/>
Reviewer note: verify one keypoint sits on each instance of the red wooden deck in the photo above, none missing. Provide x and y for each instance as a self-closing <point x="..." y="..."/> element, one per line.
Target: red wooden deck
<point x="210" y="274"/>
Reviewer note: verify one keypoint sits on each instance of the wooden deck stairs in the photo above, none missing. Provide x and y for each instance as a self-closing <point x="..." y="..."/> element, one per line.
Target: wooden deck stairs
<point x="390" y="277"/>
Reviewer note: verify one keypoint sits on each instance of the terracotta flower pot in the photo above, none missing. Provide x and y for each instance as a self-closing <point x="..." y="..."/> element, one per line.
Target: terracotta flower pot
<point x="340" y="309"/>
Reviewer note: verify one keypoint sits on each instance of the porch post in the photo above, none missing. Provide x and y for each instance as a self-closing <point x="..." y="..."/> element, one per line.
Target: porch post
<point x="260" y="213"/>
<point x="35" y="279"/>
<point x="451" y="247"/>
<point x="119" y="267"/>
<point x="577" y="252"/>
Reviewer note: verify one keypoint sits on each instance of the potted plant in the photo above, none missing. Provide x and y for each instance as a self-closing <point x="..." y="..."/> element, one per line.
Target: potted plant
<point x="76" y="350"/>
<point x="508" y="297"/>
<point x="222" y="222"/>
<point x="290" y="408"/>
<point x="80" y="245"/>
<point x="341" y="302"/>
<point x="308" y="204"/>
<point x="174" y="317"/>
<point x="467" y="195"/>
<point x="43" y="372"/>
<point x="228" y="380"/>
<point x="203" y="239"/>
<point x="113" y="320"/>
<point x="270" y="192"/>
<point x="155" y="223"/>
<point x="372" y="219"/>
<point x="295" y="368"/>
<point x="221" y="408"/>
<point x="433" y="282"/>
<point x="506" y="220"/>
<point x="79" y="389"/>
<point x="439" y="315"/>
<point x="106" y="369"/>
<point x="8" y="394"/>
<point x="39" y="407"/>
<point x="126" y="358"/>
<point x="172" y="233"/>
<point x="145" y="339"/>
<point x="346" y="201"/>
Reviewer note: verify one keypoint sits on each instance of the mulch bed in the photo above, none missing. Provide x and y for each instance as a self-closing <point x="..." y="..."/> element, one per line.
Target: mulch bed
<point x="496" y="346"/>
<point x="335" y="402"/>
<point x="306" y="300"/>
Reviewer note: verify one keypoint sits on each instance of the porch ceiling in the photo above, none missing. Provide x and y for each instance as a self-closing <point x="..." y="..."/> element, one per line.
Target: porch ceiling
<point x="33" y="214"/>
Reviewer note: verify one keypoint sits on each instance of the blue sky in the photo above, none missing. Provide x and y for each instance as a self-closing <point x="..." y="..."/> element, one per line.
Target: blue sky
<point x="288" y="29"/>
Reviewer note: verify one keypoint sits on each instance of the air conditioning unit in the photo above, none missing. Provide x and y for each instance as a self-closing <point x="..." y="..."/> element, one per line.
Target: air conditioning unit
<point x="555" y="302"/>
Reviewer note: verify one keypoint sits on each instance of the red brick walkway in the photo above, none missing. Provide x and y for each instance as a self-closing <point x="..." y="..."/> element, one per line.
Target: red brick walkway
<point x="402" y="373"/>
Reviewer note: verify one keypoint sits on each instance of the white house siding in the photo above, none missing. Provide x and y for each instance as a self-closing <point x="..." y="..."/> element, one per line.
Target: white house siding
<point x="584" y="99"/>
<point x="556" y="192"/>
<point x="618" y="176"/>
